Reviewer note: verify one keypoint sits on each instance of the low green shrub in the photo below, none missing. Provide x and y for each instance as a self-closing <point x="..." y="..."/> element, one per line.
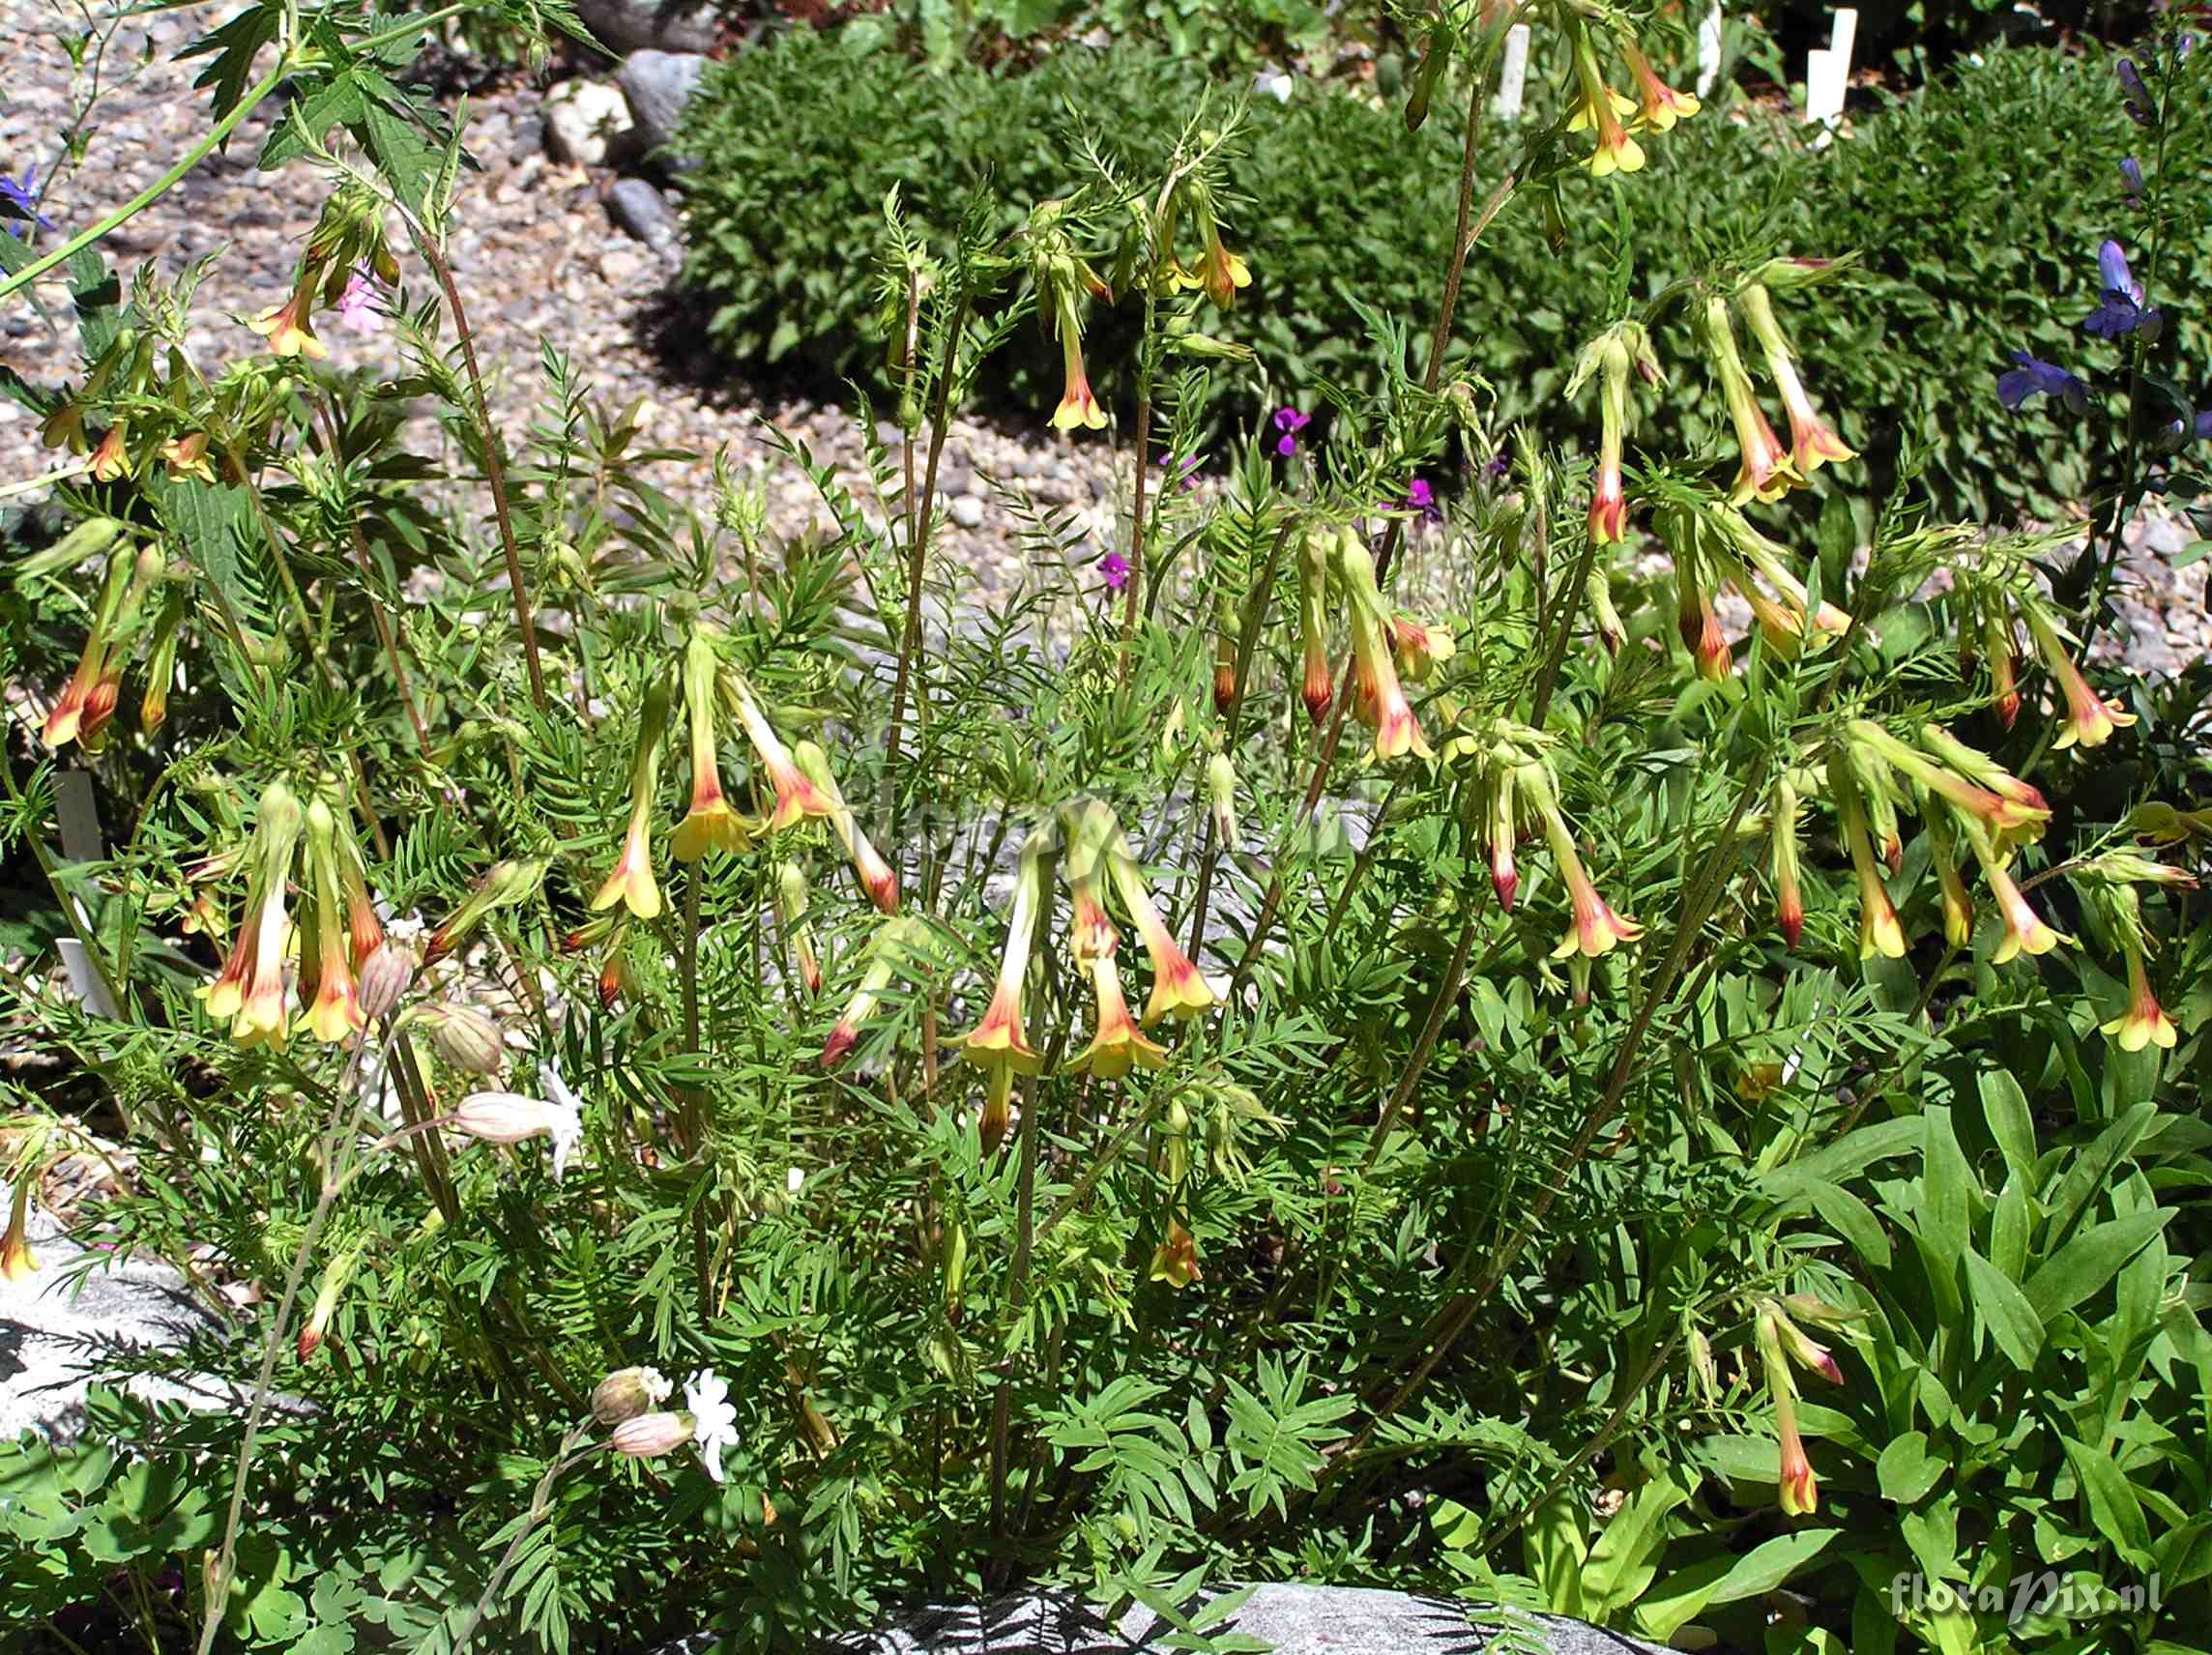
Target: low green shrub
<point x="1977" y="205"/>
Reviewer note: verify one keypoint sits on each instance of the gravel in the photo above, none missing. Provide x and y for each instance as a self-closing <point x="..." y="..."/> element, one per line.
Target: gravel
<point x="576" y="255"/>
<point x="537" y="252"/>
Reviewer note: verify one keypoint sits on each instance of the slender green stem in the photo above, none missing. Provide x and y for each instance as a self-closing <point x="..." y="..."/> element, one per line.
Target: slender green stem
<point x="155" y="190"/>
<point x="916" y="560"/>
<point x="494" y="461"/>
<point x="540" y="1503"/>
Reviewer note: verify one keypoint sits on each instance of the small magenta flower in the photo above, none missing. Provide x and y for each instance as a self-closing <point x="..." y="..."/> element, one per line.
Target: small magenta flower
<point x="2031" y="377"/>
<point x="1289" y="422"/>
<point x="1181" y="470"/>
<point x="1421" y="500"/>
<point x="2122" y="310"/>
<point x="357" y="305"/>
<point x="1114" y="568"/>
<point x="20" y="202"/>
<point x="631" y="883"/>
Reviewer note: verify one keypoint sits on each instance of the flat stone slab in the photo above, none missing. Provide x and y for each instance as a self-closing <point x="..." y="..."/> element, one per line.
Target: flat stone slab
<point x="1293" y="1619"/>
<point x="56" y="1338"/>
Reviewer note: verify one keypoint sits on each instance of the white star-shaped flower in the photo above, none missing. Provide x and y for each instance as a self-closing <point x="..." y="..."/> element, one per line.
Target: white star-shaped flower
<point x="714" y="1422"/>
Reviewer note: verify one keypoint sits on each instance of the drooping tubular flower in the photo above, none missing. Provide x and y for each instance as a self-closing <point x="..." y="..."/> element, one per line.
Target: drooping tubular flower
<point x="1600" y="110"/>
<point x="336" y="1275"/>
<point x="1178" y="988"/>
<point x="86" y="703"/>
<point x="1221" y="800"/>
<point x="631" y="883"/>
<point x="877" y="875"/>
<point x="1765" y="472"/>
<point x="999" y="1045"/>
<point x="1695" y="617"/>
<point x="1958" y="905"/>
<point x="1504" y="832"/>
<point x="249" y="991"/>
<point x="2030" y="810"/>
<point x="1596" y="929"/>
<point x="1221" y="272"/>
<point x="289" y="327"/>
<point x="504" y="884"/>
<point x="796" y="798"/>
<point x="1658" y="105"/>
<point x="791" y="916"/>
<point x="1799" y="1490"/>
<point x="1781" y="844"/>
<point x="1378" y="696"/>
<point x="1819" y="625"/>
<point x="1117" y="1044"/>
<point x="895" y="939"/>
<point x="2090" y="719"/>
<point x="1225" y="634"/>
<point x="16" y="1259"/>
<point x="1812" y="444"/>
<point x="1879" y="794"/>
<point x="2143" y="1022"/>
<point x="1175" y="1260"/>
<point x="327" y="995"/>
<point x="2025" y="932"/>
<point x="1319" y="688"/>
<point x="711" y="823"/>
<point x="2008" y="816"/>
<point x="1419" y="646"/>
<point x="161" y="661"/>
<point x="1089" y="828"/>
<point x="1610" y="357"/>
<point x="1061" y="278"/>
<point x="1997" y="644"/>
<point x="1880" y="932"/>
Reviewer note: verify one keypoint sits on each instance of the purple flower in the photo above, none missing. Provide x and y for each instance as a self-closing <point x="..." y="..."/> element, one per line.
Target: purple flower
<point x="357" y="304"/>
<point x="1179" y="469"/>
<point x="1500" y="464"/>
<point x="1289" y="421"/>
<point x="1116" y="568"/>
<point x="2122" y="311"/>
<point x="2131" y="175"/>
<point x="2032" y="378"/>
<point x="1422" y="498"/>
<point x="2135" y="94"/>
<point x="19" y="201"/>
<point x="2202" y="425"/>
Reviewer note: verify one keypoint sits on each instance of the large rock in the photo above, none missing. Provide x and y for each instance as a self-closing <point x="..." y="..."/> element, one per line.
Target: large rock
<point x="582" y="118"/>
<point x="650" y="25"/>
<point x="55" y="1341"/>
<point x="658" y="84"/>
<point x="1293" y="1619"/>
<point x="643" y="212"/>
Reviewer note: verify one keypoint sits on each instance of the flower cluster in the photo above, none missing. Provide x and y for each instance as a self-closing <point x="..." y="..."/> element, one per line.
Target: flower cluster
<point x="1611" y="117"/>
<point x="1783" y="1348"/>
<point x="345" y="260"/>
<point x="1335" y="562"/>
<point x="1716" y="549"/>
<point x="1508" y="767"/>
<point x="124" y="611"/>
<point x="339" y="934"/>
<point x="1610" y="358"/>
<point x="799" y="781"/>
<point x="1766" y="470"/>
